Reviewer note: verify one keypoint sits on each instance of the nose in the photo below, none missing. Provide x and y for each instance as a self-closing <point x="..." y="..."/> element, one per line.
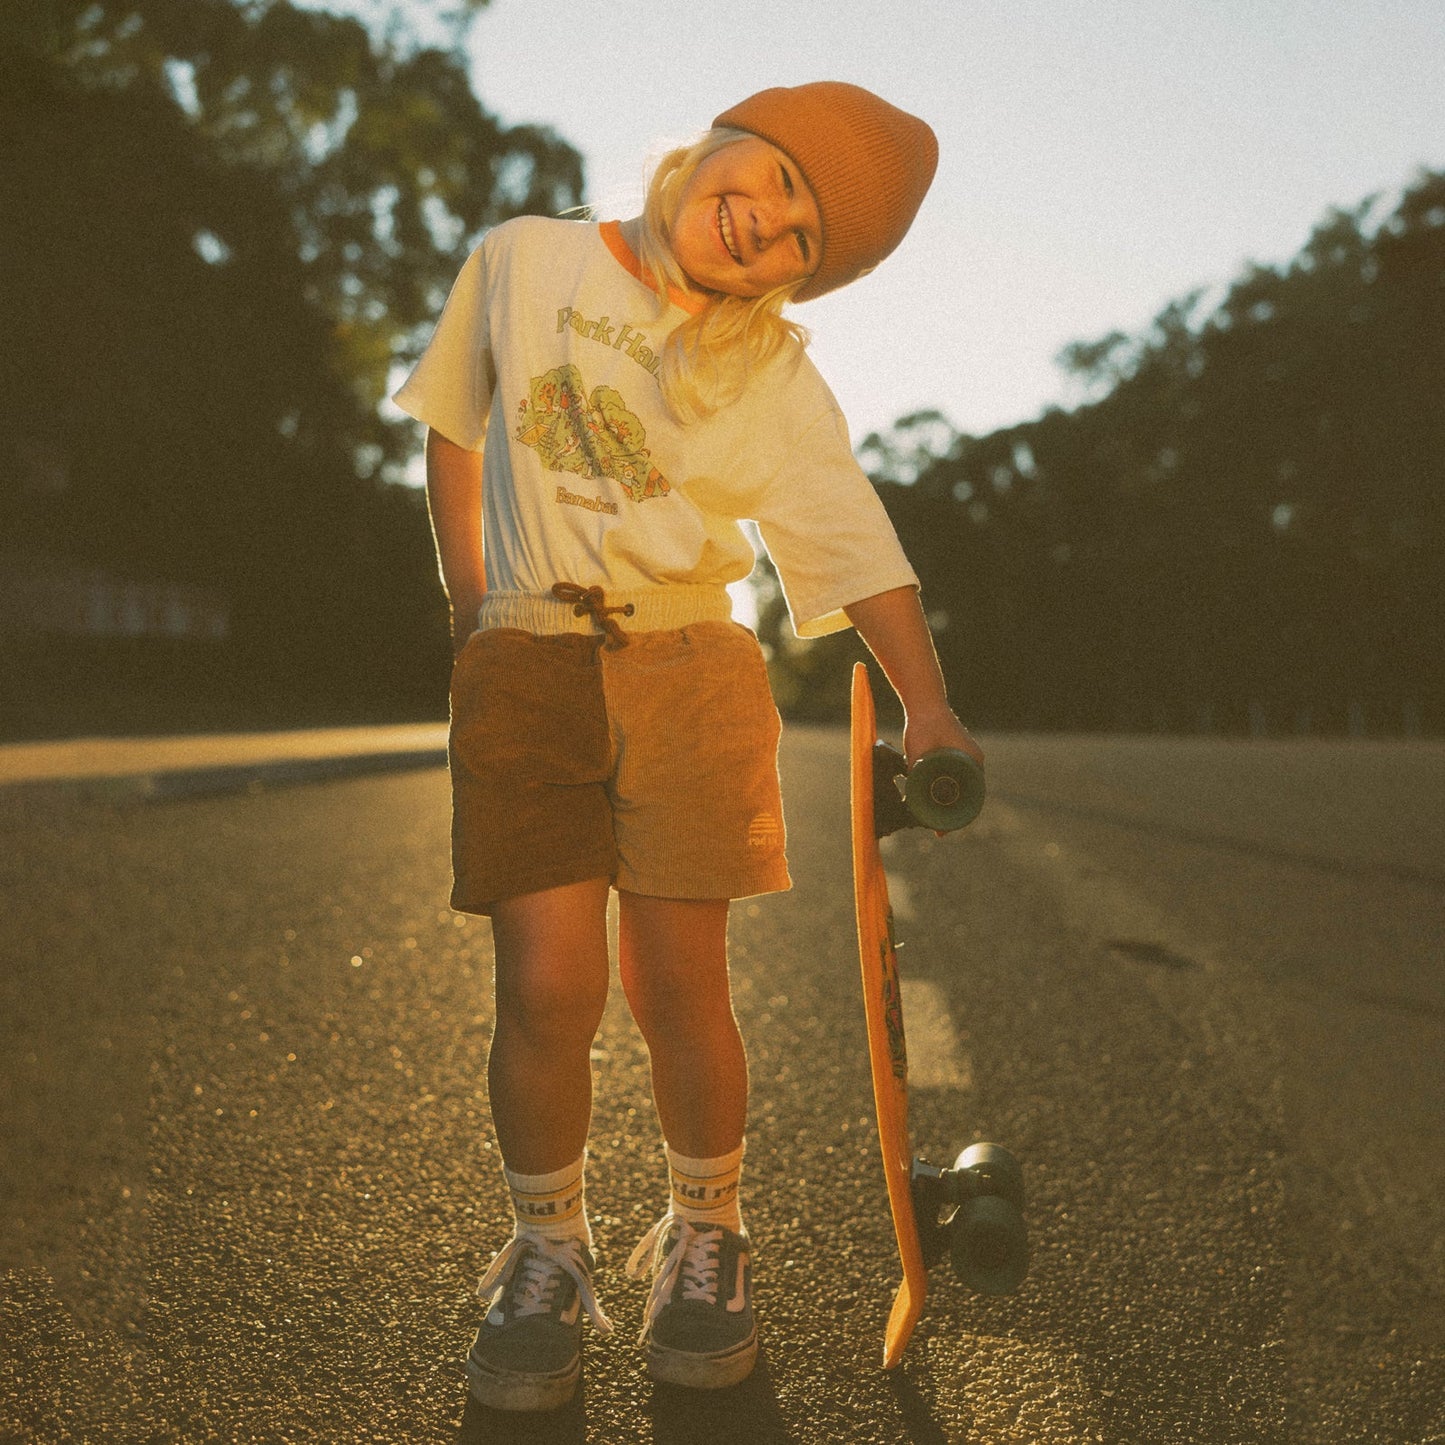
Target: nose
<point x="771" y="220"/>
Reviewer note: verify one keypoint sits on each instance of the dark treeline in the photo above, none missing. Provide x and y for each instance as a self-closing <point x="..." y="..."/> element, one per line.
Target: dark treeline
<point x="1243" y="532"/>
<point x="223" y="222"/>
<point x="220" y="225"/>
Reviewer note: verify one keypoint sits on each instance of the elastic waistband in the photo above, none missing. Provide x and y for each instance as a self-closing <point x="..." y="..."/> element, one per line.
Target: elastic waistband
<point x="654" y="609"/>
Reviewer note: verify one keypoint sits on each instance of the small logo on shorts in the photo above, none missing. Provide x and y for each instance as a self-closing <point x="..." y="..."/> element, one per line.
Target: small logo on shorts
<point x="763" y="831"/>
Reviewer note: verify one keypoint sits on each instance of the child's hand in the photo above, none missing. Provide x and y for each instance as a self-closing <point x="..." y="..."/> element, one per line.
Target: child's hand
<point x="932" y="731"/>
<point x="928" y="732"/>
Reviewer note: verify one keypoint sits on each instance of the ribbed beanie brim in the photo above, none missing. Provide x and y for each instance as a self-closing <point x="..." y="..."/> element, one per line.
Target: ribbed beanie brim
<point x="869" y="165"/>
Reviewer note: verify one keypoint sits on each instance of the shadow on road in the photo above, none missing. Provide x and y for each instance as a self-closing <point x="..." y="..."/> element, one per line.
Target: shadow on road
<point x="918" y="1419"/>
<point x="556" y="1427"/>
<point x="747" y="1414"/>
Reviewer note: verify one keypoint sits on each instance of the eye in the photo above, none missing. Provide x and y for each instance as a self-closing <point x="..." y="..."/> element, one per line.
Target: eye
<point x="804" y="249"/>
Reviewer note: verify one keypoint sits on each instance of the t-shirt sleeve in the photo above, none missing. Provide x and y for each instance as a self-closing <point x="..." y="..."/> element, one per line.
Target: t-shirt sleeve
<point x="827" y="532"/>
<point x="450" y="389"/>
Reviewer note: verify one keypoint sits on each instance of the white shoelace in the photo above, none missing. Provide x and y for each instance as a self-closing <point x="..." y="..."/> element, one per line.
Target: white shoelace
<point x="538" y="1265"/>
<point x="693" y="1256"/>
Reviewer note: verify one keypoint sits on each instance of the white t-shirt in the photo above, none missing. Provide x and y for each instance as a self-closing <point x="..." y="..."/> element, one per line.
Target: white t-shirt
<point x="546" y="359"/>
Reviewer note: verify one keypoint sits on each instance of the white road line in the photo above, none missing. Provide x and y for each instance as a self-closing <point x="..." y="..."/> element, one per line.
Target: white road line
<point x="900" y="895"/>
<point x="936" y="1060"/>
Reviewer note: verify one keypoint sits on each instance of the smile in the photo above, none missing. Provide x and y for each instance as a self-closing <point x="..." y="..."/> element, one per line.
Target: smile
<point x="725" y="230"/>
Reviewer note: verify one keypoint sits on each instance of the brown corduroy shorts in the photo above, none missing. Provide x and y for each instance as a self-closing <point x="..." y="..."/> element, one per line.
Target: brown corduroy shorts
<point x="652" y="764"/>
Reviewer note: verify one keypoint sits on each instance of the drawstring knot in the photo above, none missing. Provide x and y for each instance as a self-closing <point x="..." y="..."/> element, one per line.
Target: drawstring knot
<point x="591" y="601"/>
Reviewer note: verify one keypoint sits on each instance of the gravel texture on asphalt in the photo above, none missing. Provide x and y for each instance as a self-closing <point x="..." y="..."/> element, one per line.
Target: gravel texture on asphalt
<point x="250" y="1183"/>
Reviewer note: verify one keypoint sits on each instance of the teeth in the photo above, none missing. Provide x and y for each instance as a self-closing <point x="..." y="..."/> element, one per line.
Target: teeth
<point x="725" y="226"/>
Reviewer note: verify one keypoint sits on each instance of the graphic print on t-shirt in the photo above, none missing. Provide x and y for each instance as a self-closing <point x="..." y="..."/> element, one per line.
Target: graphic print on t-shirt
<point x="590" y="436"/>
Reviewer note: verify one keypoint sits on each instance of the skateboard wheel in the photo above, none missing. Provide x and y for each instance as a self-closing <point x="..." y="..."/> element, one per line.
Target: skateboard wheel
<point x="990" y="1245"/>
<point x="994" y="1171"/>
<point x="944" y="790"/>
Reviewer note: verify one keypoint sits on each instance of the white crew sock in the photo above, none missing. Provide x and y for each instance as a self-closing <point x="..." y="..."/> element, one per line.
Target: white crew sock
<point x="705" y="1191"/>
<point x="553" y="1205"/>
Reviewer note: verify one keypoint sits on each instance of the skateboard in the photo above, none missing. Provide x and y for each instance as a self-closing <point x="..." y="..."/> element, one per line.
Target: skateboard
<point x="973" y="1210"/>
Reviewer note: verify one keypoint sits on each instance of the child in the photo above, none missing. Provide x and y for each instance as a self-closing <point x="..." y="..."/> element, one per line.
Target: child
<point x="604" y="404"/>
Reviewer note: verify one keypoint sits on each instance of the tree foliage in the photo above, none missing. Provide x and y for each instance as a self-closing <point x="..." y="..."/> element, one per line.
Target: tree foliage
<point x="1243" y="530"/>
<point x="223" y="225"/>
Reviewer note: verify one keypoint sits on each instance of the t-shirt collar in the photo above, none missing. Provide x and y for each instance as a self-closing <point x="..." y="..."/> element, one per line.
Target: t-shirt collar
<point x="628" y="259"/>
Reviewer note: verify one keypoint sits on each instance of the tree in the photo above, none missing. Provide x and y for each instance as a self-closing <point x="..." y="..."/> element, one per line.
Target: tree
<point x="222" y="226"/>
<point x="384" y="163"/>
<point x="1243" y="527"/>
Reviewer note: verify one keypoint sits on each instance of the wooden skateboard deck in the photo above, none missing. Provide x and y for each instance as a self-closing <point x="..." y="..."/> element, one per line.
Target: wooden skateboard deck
<point x="883" y="1002"/>
<point x="973" y="1210"/>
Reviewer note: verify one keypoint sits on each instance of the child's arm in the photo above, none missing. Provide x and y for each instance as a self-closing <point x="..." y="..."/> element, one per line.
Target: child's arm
<point x="896" y="631"/>
<point x="454" y="498"/>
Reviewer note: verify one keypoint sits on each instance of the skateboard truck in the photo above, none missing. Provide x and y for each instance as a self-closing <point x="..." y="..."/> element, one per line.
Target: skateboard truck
<point x="943" y="790"/>
<point x="974" y="1211"/>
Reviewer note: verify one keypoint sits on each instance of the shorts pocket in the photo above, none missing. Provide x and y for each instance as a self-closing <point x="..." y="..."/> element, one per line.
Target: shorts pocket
<point x="530" y="705"/>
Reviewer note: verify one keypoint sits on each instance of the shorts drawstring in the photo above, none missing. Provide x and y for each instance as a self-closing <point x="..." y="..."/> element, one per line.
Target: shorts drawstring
<point x="591" y="601"/>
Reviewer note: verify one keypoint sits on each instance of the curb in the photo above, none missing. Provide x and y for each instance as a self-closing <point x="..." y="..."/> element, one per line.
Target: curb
<point x="220" y="780"/>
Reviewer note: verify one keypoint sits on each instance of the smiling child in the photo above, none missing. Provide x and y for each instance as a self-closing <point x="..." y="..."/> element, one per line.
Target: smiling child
<point x="606" y="405"/>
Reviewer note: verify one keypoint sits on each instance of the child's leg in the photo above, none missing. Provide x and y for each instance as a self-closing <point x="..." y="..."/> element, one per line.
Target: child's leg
<point x="551" y="985"/>
<point x="699" y="1329"/>
<point x="673" y="961"/>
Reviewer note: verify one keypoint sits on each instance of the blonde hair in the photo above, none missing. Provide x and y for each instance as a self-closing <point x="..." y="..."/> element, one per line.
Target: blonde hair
<point x="707" y="360"/>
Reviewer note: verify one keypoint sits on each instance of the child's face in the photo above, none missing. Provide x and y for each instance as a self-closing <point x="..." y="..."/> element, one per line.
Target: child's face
<point x="747" y="221"/>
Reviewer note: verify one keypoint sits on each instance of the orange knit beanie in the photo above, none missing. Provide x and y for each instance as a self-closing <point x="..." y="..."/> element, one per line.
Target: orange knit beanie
<point x="869" y="165"/>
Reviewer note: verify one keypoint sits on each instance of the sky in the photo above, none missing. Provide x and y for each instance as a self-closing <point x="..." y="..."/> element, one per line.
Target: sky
<point x="1098" y="158"/>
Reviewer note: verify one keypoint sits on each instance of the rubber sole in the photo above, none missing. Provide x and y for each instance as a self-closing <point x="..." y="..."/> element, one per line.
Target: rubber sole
<point x="506" y="1390"/>
<point x="703" y="1372"/>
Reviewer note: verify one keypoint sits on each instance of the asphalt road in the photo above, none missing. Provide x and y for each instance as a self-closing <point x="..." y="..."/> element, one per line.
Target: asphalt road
<point x="249" y="1185"/>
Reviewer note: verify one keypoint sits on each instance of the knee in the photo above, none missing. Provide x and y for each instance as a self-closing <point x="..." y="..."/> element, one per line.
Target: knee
<point x="552" y="1005"/>
<point x="655" y="1005"/>
<point x="673" y="959"/>
<point x="673" y="1009"/>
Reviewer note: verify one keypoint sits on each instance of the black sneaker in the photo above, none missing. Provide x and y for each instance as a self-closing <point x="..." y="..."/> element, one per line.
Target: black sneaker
<point x="528" y="1352"/>
<point x="699" y="1329"/>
